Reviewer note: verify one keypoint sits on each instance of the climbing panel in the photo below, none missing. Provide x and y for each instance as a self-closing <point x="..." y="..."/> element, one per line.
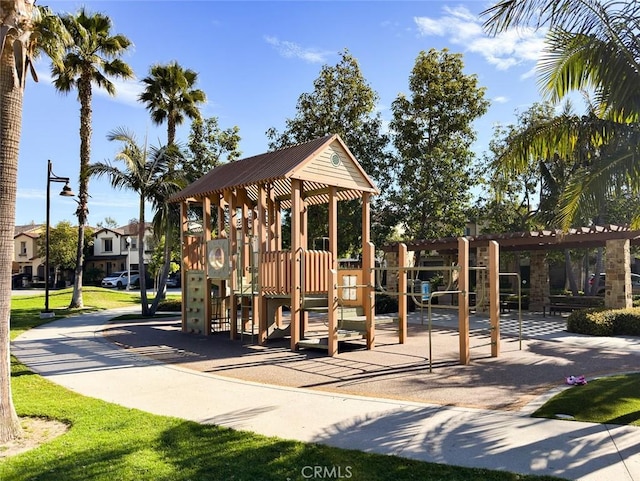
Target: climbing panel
<point x="195" y="297"/>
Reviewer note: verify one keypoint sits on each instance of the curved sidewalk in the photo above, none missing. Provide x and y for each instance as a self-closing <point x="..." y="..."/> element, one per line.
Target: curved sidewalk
<point x="72" y="352"/>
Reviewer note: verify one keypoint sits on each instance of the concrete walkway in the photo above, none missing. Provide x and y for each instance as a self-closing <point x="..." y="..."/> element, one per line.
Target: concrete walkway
<point x="72" y="352"/>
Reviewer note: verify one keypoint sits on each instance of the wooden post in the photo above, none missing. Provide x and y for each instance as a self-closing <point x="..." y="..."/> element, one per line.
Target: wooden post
<point x="230" y="200"/>
<point x="402" y="290"/>
<point x="463" y="300"/>
<point x="296" y="247"/>
<point x="185" y="262"/>
<point x="368" y="273"/>
<point x="259" y="307"/>
<point x="494" y="296"/>
<point x="206" y="236"/>
<point x="333" y="226"/>
<point x="332" y="314"/>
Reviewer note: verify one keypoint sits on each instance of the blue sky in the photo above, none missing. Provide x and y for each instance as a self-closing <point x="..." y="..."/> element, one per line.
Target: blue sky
<point x="254" y="59"/>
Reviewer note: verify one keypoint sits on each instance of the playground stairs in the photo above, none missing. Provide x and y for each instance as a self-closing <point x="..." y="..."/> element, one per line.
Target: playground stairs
<point x="351" y="327"/>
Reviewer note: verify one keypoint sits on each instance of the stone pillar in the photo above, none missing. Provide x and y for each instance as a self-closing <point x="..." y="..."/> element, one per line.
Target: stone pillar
<point x="482" y="280"/>
<point x="391" y="261"/>
<point x="618" y="293"/>
<point x="539" y="281"/>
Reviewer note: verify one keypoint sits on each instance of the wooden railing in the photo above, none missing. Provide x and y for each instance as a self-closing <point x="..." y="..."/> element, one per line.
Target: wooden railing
<point x="275" y="272"/>
<point x="315" y="272"/>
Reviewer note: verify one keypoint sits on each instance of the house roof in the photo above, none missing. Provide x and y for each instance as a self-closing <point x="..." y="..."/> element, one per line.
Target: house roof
<point x="33" y="230"/>
<point x="583" y="237"/>
<point x="278" y="168"/>
<point x="117" y="231"/>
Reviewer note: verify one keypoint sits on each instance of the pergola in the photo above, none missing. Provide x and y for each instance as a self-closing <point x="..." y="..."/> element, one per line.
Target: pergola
<point x="616" y="238"/>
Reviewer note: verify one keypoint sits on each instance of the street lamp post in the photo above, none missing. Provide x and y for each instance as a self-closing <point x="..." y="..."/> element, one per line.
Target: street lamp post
<point x="128" y="239"/>
<point x="66" y="192"/>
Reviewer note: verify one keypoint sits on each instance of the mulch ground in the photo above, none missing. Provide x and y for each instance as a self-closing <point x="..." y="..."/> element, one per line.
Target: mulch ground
<point x="391" y="370"/>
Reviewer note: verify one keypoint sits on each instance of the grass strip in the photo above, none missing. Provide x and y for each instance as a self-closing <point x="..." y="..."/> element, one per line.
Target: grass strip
<point x="610" y="400"/>
<point x="107" y="442"/>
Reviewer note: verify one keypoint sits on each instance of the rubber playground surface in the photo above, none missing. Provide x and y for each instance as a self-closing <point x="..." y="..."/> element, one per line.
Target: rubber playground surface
<point x="535" y="357"/>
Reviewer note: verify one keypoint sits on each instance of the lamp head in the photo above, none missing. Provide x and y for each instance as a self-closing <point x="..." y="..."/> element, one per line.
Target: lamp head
<point x="66" y="191"/>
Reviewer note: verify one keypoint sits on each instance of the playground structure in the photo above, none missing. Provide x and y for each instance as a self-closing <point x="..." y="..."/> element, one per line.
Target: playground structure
<point x="240" y="262"/>
<point x="236" y="275"/>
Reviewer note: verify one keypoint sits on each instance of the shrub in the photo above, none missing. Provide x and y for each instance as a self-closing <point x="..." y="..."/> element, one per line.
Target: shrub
<point x="627" y="322"/>
<point x="386" y="304"/>
<point x="171" y="305"/>
<point x="605" y="322"/>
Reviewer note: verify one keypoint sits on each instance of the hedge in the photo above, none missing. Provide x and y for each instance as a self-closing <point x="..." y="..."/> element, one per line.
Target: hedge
<point x="605" y="322"/>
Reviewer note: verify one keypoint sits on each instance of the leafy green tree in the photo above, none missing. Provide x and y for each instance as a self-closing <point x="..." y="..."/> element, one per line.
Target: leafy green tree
<point x="591" y="46"/>
<point x="92" y="58"/>
<point x="209" y="146"/>
<point x="343" y="103"/>
<point x="61" y="247"/>
<point x="432" y="133"/>
<point x="516" y="200"/>
<point x="25" y="32"/>
<point x="148" y="172"/>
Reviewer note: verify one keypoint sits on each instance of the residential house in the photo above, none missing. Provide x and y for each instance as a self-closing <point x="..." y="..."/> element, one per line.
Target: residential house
<point x="116" y="249"/>
<point x="26" y="260"/>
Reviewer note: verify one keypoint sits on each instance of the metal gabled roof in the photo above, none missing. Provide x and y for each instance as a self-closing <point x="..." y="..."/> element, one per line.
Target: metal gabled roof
<point x="276" y="169"/>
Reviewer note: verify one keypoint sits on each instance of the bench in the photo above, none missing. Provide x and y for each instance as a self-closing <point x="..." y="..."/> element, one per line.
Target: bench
<point x="558" y="304"/>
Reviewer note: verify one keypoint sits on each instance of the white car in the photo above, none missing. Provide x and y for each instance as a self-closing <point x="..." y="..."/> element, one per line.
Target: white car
<point x="120" y="279"/>
<point x="635" y="283"/>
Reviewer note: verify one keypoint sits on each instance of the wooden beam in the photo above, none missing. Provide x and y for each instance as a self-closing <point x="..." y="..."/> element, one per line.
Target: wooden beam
<point x="206" y="221"/>
<point x="402" y="293"/>
<point x="494" y="297"/>
<point x="333" y="226"/>
<point x="296" y="247"/>
<point x="368" y="273"/>
<point x="230" y="199"/>
<point x="463" y="300"/>
<point x="332" y="296"/>
<point x="185" y="261"/>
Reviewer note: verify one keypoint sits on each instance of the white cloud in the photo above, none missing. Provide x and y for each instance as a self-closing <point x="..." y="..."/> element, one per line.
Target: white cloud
<point x="500" y="99"/>
<point x="506" y="50"/>
<point x="31" y="194"/>
<point x="293" y="50"/>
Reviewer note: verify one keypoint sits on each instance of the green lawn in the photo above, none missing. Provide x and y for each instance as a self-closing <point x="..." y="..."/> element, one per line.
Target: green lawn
<point x="612" y="400"/>
<point x="111" y="443"/>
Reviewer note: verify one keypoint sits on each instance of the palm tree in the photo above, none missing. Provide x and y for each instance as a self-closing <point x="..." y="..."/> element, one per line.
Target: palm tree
<point x="592" y="45"/>
<point x="19" y="20"/>
<point x="170" y="96"/>
<point x="146" y="171"/>
<point x="93" y="57"/>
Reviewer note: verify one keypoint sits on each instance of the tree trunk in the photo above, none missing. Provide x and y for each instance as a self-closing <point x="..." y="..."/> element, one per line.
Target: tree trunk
<point x="11" y="97"/>
<point x="598" y="269"/>
<point x="164" y="273"/>
<point x="84" y="94"/>
<point x="142" y="269"/>
<point x="573" y="286"/>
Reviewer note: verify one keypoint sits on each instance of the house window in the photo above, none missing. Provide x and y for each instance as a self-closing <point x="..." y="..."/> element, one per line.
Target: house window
<point x="107" y="245"/>
<point x="23" y="248"/>
<point x="134" y="243"/>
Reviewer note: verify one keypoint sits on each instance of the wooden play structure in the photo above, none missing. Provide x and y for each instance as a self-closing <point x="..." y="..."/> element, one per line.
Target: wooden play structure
<point x="238" y="268"/>
<point x="236" y="275"/>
